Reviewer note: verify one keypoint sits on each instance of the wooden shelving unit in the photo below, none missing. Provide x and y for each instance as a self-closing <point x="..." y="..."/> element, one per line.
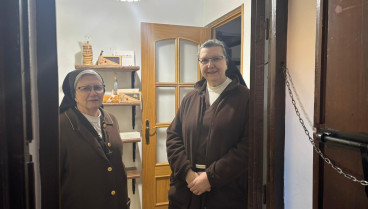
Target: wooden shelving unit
<point x="131" y="140"/>
<point x="134" y="144"/>
<point x="109" y="68"/>
<point x="133" y="174"/>
<point x="122" y="104"/>
<point x="131" y="137"/>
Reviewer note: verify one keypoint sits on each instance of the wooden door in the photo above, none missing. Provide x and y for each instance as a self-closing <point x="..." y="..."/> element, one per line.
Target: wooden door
<point x="169" y="70"/>
<point x="341" y="106"/>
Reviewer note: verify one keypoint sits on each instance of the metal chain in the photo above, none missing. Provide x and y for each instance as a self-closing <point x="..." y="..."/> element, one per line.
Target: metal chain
<point x="298" y="100"/>
<point x="327" y="160"/>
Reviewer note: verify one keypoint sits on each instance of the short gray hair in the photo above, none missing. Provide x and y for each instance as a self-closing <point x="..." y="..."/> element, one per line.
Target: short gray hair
<point x="214" y="43"/>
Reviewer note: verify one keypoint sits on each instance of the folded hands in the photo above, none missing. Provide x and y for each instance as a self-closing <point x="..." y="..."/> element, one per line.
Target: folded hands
<point x="198" y="182"/>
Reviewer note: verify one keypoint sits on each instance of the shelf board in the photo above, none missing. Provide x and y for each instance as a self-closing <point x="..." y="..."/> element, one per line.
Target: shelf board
<point x="130" y="137"/>
<point x="115" y="68"/>
<point x="122" y="104"/>
<point x="132" y="173"/>
<point x="131" y="140"/>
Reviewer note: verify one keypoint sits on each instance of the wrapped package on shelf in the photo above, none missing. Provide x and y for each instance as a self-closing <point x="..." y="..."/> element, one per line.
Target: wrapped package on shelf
<point x="129" y="95"/>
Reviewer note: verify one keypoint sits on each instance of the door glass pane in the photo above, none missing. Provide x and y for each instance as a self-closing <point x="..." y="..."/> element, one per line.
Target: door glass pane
<point x="165" y="104"/>
<point x="161" y="156"/>
<point x="188" y="61"/>
<point x="165" y="60"/>
<point x="184" y="91"/>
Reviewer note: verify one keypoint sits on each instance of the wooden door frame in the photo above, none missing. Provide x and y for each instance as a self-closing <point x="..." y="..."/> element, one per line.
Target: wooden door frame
<point x="14" y="190"/>
<point x="256" y="119"/>
<point x="275" y="127"/>
<point x="48" y="103"/>
<point x="16" y="128"/>
<point x="318" y="95"/>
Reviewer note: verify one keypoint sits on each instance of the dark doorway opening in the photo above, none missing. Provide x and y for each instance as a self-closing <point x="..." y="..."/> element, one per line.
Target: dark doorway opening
<point x="230" y="34"/>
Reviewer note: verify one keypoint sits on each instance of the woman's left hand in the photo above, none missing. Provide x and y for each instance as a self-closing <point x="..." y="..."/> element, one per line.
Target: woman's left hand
<point x="200" y="184"/>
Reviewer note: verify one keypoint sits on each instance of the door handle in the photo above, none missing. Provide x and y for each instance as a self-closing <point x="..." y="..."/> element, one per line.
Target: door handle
<point x="148" y="131"/>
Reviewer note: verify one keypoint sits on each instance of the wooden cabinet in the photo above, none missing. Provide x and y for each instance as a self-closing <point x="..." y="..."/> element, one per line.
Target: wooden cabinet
<point x="132" y="172"/>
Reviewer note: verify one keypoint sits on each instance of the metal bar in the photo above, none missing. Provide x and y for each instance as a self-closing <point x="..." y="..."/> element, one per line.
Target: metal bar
<point x="346" y="139"/>
<point x="133" y="107"/>
<point x="133" y="116"/>
<point x="346" y="142"/>
<point x="133" y="186"/>
<point x="134" y="145"/>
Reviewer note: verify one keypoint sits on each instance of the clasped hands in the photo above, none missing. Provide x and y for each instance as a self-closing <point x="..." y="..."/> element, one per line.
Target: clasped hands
<point x="198" y="182"/>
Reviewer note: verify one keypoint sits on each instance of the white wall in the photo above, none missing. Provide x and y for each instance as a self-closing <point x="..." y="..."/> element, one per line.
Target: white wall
<point x="114" y="25"/>
<point x="300" y="61"/>
<point x="213" y="9"/>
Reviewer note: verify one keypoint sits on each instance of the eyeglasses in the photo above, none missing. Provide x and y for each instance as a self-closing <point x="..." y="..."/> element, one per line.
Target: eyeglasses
<point x="96" y="88"/>
<point x="205" y="61"/>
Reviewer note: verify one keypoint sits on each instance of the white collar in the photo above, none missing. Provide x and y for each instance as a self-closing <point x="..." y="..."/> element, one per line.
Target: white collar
<point x="93" y="119"/>
<point x="221" y="87"/>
